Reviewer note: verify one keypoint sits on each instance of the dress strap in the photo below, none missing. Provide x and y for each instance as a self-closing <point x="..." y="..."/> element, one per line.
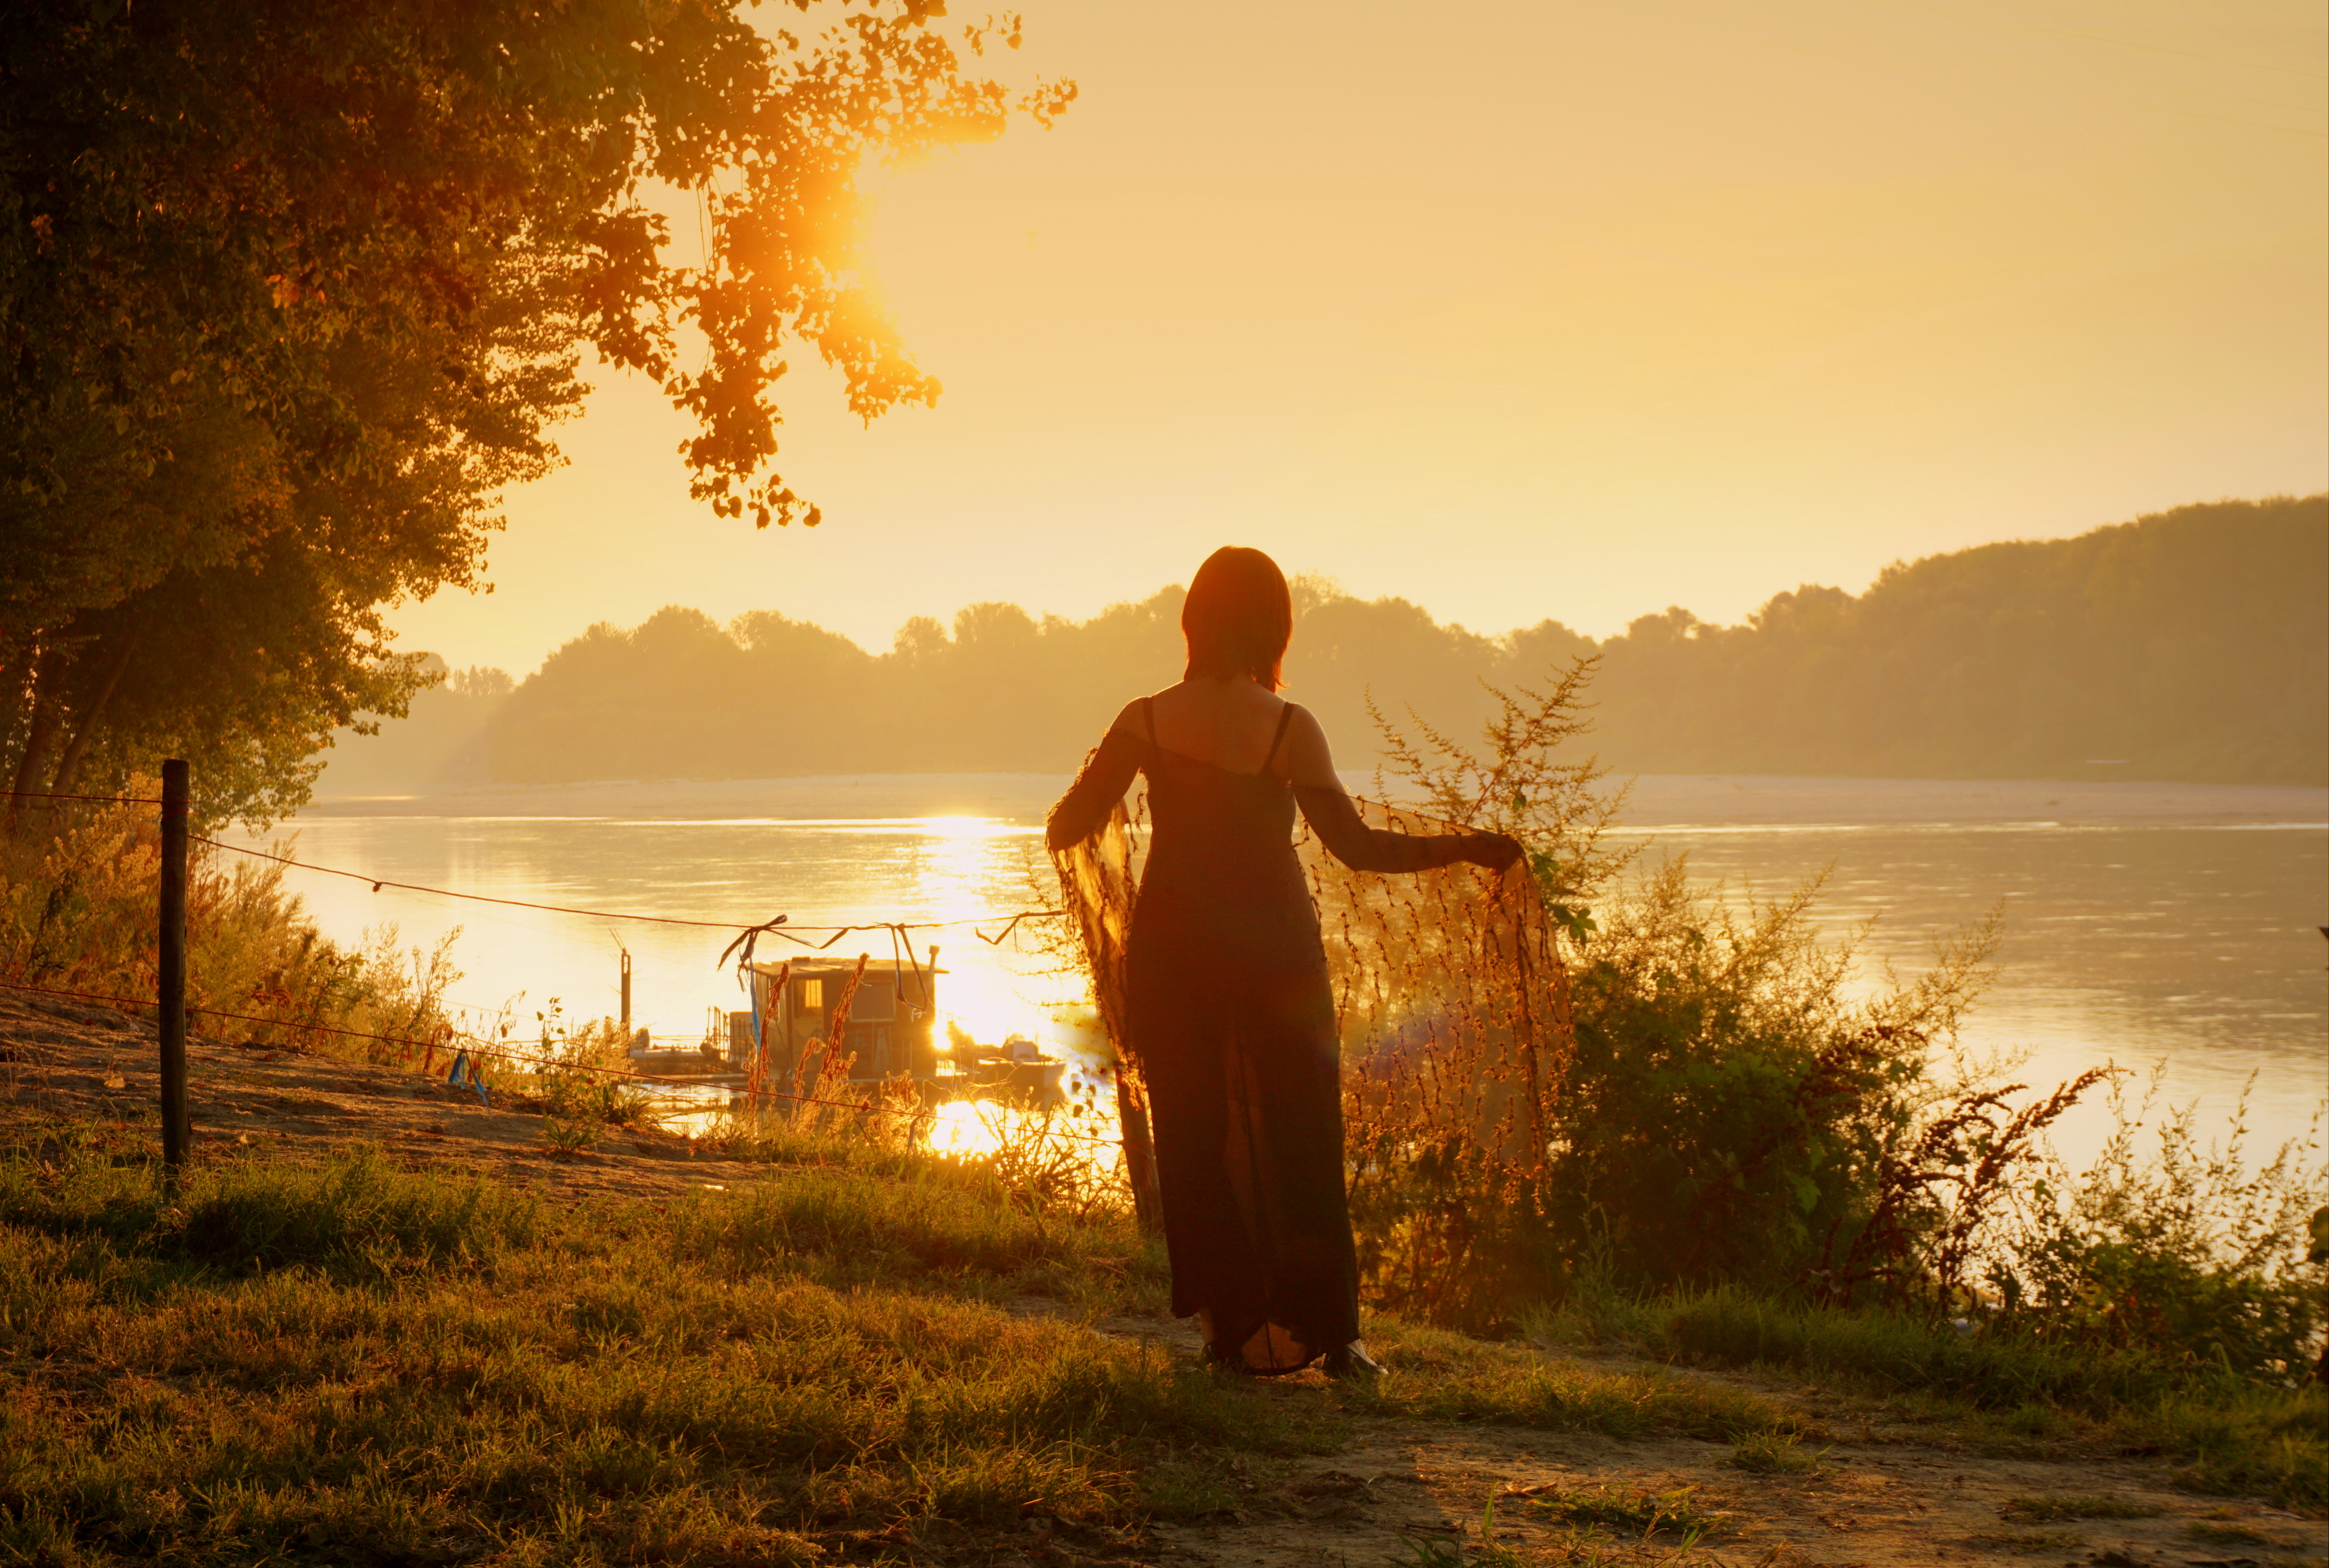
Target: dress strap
<point x="1284" y="717"/>
<point x="1148" y="716"/>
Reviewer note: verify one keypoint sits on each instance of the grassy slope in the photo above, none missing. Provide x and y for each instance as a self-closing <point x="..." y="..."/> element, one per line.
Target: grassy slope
<point x="1994" y="1392"/>
<point x="358" y="1363"/>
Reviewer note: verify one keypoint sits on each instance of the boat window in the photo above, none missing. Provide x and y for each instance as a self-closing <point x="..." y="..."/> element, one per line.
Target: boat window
<point x="812" y="995"/>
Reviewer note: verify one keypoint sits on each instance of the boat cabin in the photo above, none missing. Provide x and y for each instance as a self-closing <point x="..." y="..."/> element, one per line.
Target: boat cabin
<point x="890" y="1033"/>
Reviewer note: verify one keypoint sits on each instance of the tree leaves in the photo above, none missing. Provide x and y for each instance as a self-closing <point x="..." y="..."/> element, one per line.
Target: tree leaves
<point x="268" y="267"/>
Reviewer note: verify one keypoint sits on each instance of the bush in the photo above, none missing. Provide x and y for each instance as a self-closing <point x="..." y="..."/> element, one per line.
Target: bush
<point x="2188" y="1255"/>
<point x="1731" y="1111"/>
<point x="1737" y="1111"/>
<point x="79" y="888"/>
<point x="1719" y="1106"/>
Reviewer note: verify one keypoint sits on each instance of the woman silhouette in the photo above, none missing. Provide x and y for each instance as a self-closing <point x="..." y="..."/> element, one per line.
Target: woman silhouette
<point x="1229" y="1009"/>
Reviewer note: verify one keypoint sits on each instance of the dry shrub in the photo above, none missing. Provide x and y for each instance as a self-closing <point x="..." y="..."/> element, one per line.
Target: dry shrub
<point x="1049" y="1159"/>
<point x="79" y="889"/>
<point x="1453" y="1008"/>
<point x="1045" y="1160"/>
<point x="1715" y="1097"/>
<point x="2187" y="1251"/>
<point x="576" y="1074"/>
<point x="1938" y="1201"/>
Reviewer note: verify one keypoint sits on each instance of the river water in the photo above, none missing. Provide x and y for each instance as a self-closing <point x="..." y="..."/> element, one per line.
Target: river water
<point x="2175" y="927"/>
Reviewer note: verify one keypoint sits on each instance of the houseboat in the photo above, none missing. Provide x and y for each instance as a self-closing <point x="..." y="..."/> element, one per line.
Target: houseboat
<point x="891" y="1034"/>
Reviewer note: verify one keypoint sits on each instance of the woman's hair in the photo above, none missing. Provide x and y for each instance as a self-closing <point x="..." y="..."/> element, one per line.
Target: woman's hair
<point x="1238" y="618"/>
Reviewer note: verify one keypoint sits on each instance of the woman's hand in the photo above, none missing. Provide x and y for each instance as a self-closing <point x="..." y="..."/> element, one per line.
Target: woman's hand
<point x="1496" y="851"/>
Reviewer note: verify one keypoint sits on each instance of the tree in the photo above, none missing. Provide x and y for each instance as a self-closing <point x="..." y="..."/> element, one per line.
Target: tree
<point x="2193" y="644"/>
<point x="290" y="290"/>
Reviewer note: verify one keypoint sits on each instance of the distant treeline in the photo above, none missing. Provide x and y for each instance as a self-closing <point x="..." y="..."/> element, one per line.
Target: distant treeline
<point x="2193" y="644"/>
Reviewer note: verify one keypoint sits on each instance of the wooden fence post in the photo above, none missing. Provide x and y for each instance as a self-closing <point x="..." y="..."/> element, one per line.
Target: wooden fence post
<point x="177" y="806"/>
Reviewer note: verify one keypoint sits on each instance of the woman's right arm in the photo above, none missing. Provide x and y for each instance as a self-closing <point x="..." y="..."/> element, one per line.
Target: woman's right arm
<point x="1107" y="774"/>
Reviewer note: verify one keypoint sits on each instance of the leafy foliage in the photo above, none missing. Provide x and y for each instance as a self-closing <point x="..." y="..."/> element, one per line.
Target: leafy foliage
<point x="290" y="293"/>
<point x="1912" y="678"/>
<point x="1732" y="1107"/>
<point x="2182" y="1250"/>
<point x="1739" y="1110"/>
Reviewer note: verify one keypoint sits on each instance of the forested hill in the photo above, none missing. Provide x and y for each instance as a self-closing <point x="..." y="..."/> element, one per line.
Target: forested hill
<point x="2192" y="644"/>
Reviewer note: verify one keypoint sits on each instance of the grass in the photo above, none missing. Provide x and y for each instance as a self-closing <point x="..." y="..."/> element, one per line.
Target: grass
<point x="1189" y="1488"/>
<point x="1586" y="1549"/>
<point x="355" y="1361"/>
<point x="930" y="1233"/>
<point x="1773" y="1453"/>
<point x="2031" y="1541"/>
<point x="1999" y="1390"/>
<point x="1635" y="1512"/>
<point x="359" y="1361"/>
<point x="2052" y="1508"/>
<point x="1444" y="1376"/>
<point x="839" y="1360"/>
<point x="1604" y="1527"/>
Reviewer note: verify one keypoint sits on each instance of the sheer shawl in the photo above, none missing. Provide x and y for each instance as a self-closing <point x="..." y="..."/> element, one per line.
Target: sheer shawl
<point x="1452" y="1007"/>
<point x="1098" y="884"/>
<point x="1452" y="1018"/>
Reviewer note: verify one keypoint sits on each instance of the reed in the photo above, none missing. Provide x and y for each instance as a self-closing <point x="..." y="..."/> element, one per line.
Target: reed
<point x="1578" y="1085"/>
<point x="78" y="894"/>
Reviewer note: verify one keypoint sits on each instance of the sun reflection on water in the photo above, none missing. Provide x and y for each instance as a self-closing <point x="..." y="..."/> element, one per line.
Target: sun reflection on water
<point x="1080" y="1137"/>
<point x="968" y="1127"/>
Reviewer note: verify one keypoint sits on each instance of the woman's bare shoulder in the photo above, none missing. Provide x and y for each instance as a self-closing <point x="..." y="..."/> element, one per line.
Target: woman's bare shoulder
<point x="1132" y="720"/>
<point x="1306" y="759"/>
<point x="1300" y="720"/>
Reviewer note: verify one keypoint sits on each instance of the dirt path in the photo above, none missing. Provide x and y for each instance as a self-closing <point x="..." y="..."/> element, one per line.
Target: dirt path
<point x="1403" y="1491"/>
<point x="1881" y="1493"/>
<point x="91" y="1064"/>
<point x="1867" y="1504"/>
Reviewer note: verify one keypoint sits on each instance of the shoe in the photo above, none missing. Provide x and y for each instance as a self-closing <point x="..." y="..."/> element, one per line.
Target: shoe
<point x="1350" y="1361"/>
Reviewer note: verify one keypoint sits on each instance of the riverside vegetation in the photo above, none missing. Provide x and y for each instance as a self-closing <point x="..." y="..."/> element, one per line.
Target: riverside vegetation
<point x="1747" y="1169"/>
<point x="2190" y="645"/>
<point x="1747" y="1159"/>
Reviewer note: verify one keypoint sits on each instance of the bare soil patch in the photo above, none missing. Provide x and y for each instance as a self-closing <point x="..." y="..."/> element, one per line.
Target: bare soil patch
<point x="71" y="1063"/>
<point x="1403" y="1486"/>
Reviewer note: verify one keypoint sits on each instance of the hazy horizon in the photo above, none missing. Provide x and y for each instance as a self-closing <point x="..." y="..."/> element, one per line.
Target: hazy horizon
<point x="2184" y="645"/>
<point x="879" y="642"/>
<point x="1555" y="314"/>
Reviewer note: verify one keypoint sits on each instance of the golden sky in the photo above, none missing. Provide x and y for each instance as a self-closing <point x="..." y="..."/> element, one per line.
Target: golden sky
<point x="1524" y="310"/>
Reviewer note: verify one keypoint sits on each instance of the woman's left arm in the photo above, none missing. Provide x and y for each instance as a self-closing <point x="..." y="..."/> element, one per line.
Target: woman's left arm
<point x="1334" y="816"/>
<point x="1107" y="774"/>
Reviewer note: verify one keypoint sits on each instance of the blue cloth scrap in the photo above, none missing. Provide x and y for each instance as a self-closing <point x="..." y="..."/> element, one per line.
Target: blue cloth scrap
<point x="468" y="1075"/>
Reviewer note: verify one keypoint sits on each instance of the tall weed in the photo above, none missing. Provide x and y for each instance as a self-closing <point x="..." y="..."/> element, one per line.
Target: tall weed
<point x="2175" y="1247"/>
<point x="1734" y="1107"/>
<point x="79" y="889"/>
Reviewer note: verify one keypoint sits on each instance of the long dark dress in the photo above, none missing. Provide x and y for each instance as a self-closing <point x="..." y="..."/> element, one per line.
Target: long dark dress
<point x="1232" y="1018"/>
